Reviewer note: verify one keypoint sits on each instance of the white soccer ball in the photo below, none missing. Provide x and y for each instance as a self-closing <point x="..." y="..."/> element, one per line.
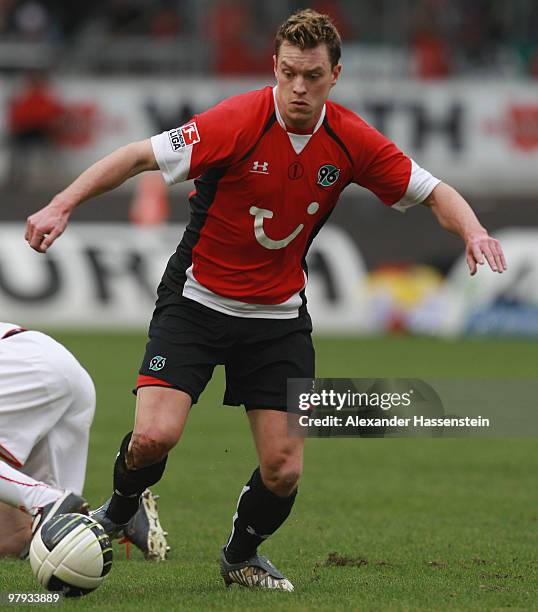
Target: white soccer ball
<point x="71" y="553"/>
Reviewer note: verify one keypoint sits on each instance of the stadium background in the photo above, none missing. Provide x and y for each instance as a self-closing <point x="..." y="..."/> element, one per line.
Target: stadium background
<point x="421" y="523"/>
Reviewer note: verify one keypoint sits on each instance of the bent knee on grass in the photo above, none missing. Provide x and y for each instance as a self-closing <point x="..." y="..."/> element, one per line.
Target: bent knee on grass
<point x="15" y="530"/>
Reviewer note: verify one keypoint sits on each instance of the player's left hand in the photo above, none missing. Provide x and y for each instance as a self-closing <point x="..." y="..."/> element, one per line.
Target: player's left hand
<point x="481" y="247"/>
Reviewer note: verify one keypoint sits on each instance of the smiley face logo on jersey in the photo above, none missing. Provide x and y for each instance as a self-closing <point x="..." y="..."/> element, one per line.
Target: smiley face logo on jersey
<point x="328" y="174"/>
<point x="260" y="214"/>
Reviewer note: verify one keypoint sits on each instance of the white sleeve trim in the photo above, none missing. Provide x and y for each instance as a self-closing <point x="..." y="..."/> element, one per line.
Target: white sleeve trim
<point x="421" y="184"/>
<point x="174" y="165"/>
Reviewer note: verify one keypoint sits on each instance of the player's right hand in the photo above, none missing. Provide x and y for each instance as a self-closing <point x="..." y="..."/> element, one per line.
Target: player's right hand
<point x="44" y="226"/>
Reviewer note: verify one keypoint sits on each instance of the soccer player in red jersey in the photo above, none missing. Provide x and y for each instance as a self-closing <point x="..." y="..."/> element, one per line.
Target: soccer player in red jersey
<point x="269" y="166"/>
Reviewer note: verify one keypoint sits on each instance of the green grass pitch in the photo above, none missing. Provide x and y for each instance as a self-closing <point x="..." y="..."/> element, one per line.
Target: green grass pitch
<point x="397" y="524"/>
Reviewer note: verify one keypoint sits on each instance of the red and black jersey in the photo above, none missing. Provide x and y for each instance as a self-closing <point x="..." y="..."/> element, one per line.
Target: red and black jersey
<point x="262" y="194"/>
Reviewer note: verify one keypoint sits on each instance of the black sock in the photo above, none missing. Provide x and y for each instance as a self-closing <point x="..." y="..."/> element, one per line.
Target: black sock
<point x="259" y="514"/>
<point x="130" y="484"/>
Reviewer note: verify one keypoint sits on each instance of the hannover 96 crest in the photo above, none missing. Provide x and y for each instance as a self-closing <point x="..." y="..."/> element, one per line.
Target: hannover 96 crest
<point x="328" y="175"/>
<point x="157" y="363"/>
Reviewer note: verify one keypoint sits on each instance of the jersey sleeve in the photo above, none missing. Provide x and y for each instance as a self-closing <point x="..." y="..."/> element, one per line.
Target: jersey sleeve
<point x="394" y="178"/>
<point x="214" y="138"/>
<point x="421" y="184"/>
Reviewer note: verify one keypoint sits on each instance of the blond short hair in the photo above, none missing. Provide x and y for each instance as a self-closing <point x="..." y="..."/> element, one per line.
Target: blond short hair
<point x="307" y="29"/>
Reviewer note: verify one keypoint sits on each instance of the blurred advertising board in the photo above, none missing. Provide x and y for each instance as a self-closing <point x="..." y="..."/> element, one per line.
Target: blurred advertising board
<point x="105" y="275"/>
<point x="481" y="136"/>
<point x="488" y="303"/>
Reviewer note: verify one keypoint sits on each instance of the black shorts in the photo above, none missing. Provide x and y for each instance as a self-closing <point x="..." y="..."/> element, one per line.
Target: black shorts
<point x="187" y="340"/>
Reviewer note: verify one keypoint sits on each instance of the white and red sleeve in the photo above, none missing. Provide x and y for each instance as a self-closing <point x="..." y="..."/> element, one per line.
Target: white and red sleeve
<point x="215" y="138"/>
<point x="421" y="184"/>
<point x="173" y="152"/>
<point x="397" y="180"/>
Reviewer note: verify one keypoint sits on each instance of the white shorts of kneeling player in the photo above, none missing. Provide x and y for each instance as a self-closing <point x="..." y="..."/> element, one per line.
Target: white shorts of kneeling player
<point x="47" y="403"/>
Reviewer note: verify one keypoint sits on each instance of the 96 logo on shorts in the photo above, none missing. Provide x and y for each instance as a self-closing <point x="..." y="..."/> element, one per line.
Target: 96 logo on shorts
<point x="157" y="363"/>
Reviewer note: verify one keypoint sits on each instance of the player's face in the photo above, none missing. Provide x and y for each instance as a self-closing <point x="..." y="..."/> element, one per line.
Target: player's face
<point x="305" y="78"/>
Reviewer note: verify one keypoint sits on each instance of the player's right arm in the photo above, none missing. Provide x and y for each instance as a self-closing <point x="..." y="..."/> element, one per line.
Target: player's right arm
<point x="47" y="224"/>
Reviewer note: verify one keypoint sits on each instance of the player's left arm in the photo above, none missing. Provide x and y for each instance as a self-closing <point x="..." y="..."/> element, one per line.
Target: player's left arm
<point x="401" y="183"/>
<point x="456" y="216"/>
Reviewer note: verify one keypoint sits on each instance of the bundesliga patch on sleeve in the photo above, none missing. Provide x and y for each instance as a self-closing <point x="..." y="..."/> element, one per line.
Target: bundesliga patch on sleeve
<point x="184" y="136"/>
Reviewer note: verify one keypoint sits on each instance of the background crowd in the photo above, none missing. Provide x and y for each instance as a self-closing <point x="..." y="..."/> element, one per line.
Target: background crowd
<point x="421" y="38"/>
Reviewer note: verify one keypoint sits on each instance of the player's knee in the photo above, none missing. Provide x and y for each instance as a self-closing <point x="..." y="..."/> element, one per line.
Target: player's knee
<point x="15" y="531"/>
<point x="147" y="448"/>
<point x="13" y="546"/>
<point x="281" y="474"/>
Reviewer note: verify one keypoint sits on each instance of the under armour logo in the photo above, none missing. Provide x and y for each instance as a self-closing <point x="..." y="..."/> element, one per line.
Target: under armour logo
<point x="260" y="167"/>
